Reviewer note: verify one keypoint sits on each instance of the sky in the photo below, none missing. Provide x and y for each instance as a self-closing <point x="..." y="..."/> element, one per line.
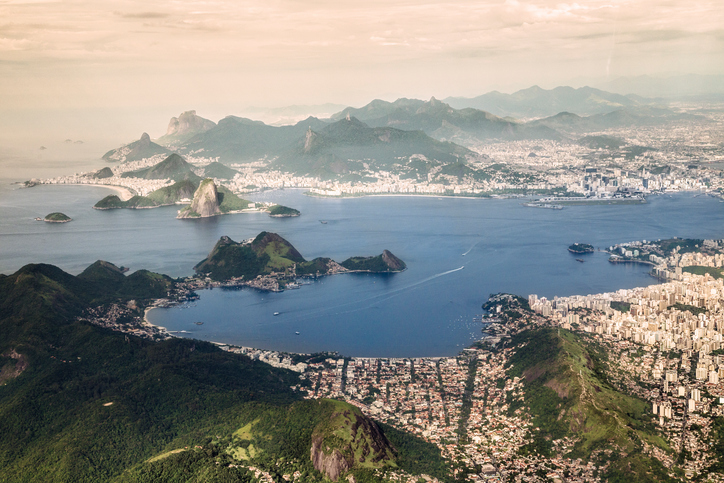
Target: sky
<point x="154" y="59"/>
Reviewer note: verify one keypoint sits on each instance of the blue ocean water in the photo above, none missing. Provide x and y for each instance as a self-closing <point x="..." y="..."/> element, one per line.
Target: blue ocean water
<point x="458" y="251"/>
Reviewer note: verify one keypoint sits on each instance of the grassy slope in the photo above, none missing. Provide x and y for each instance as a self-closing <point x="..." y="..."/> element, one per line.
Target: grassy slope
<point x="284" y="435"/>
<point x="568" y="395"/>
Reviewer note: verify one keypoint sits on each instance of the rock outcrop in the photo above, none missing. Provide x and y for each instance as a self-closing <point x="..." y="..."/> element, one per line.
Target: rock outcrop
<point x="332" y="465"/>
<point x="392" y="261"/>
<point x="205" y="203"/>
<point x="184" y="127"/>
<point x="347" y="441"/>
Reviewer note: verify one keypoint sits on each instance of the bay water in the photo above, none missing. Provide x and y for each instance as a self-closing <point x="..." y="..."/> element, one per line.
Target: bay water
<point x="458" y="251"/>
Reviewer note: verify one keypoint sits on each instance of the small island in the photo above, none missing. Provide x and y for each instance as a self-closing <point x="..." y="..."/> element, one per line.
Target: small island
<point x="581" y="248"/>
<point x="57" y="217"/>
<point x="280" y="211"/>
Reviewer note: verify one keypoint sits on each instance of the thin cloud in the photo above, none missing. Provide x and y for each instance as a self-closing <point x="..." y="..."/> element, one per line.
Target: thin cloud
<point x="142" y="15"/>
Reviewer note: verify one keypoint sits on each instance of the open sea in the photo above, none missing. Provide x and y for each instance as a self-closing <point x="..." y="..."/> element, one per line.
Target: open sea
<point x="458" y="251"/>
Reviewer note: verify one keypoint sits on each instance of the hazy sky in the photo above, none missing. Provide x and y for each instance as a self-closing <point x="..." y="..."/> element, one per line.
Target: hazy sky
<point x="272" y="52"/>
<point x="78" y="67"/>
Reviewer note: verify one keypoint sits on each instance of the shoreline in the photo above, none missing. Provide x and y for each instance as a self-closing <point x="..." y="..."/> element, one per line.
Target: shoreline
<point x="124" y="193"/>
<point x="413" y="195"/>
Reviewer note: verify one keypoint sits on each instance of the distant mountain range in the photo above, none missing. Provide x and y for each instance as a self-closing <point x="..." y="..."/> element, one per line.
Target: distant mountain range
<point x="184" y="127"/>
<point x="408" y="137"/>
<point x="350" y="145"/>
<point x="536" y="102"/>
<point x="441" y="121"/>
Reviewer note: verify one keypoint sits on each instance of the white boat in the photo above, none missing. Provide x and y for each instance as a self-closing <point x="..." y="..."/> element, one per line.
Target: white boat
<point x="276" y="313"/>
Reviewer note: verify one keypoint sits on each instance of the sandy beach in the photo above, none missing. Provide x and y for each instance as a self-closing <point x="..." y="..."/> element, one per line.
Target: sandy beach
<point x="123" y="193"/>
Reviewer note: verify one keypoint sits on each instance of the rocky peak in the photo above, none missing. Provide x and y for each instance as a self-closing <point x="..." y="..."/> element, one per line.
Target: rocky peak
<point x="188" y="123"/>
<point x="347" y="441"/>
<point x="205" y="202"/>
<point x="145" y="140"/>
<point x="392" y="261"/>
<point x="309" y="140"/>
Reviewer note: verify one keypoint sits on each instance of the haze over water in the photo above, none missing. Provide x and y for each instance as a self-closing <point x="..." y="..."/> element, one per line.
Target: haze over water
<point x="430" y="309"/>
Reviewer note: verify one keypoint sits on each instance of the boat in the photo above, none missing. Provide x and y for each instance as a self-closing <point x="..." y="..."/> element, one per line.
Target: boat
<point x="323" y="222"/>
<point x="276" y="313"/>
<point x="297" y="333"/>
<point x="580" y="260"/>
<point x="199" y="323"/>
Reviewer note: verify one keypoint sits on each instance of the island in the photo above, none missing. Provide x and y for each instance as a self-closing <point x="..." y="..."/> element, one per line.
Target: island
<point x="210" y="200"/>
<point x="279" y="211"/>
<point x="270" y="262"/>
<point x="581" y="248"/>
<point x="57" y="217"/>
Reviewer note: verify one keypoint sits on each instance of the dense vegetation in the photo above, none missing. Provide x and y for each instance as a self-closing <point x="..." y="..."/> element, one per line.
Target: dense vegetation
<point x="218" y="170"/>
<point x="228" y="201"/>
<point x="89" y="404"/>
<point x="567" y="393"/>
<point x="280" y="210"/>
<point x="386" y="262"/>
<point x="269" y="252"/>
<point x="621" y="306"/>
<point x="57" y="217"/>
<point x="716" y="273"/>
<point x="174" y="167"/>
<point x="579" y="248"/>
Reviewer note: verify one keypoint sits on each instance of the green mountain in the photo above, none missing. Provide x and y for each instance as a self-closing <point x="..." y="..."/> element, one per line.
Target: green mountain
<point x="137" y="150"/>
<point x="568" y="396"/>
<point x="57" y="217"/>
<point x="386" y="262"/>
<point x="441" y="121"/>
<point x="80" y="403"/>
<point x="220" y="171"/>
<point x="348" y="145"/>
<point x="266" y="253"/>
<point x="281" y="211"/>
<point x="184" y="127"/>
<point x="178" y="191"/>
<point x="269" y="252"/>
<point x="236" y="139"/>
<point x="167" y="195"/>
<point x="173" y="167"/>
<point x="103" y="173"/>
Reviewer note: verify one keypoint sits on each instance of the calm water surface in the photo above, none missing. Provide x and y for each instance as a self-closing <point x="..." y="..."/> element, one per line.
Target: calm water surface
<point x="458" y="251"/>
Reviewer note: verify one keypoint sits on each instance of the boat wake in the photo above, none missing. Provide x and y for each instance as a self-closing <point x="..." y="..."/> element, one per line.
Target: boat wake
<point x="471" y="248"/>
<point x="366" y="302"/>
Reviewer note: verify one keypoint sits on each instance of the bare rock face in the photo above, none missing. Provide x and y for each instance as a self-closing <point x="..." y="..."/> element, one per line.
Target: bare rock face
<point x="205" y="202"/>
<point x="188" y="122"/>
<point x="392" y="261"/>
<point x="332" y="465"/>
<point x="349" y="440"/>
